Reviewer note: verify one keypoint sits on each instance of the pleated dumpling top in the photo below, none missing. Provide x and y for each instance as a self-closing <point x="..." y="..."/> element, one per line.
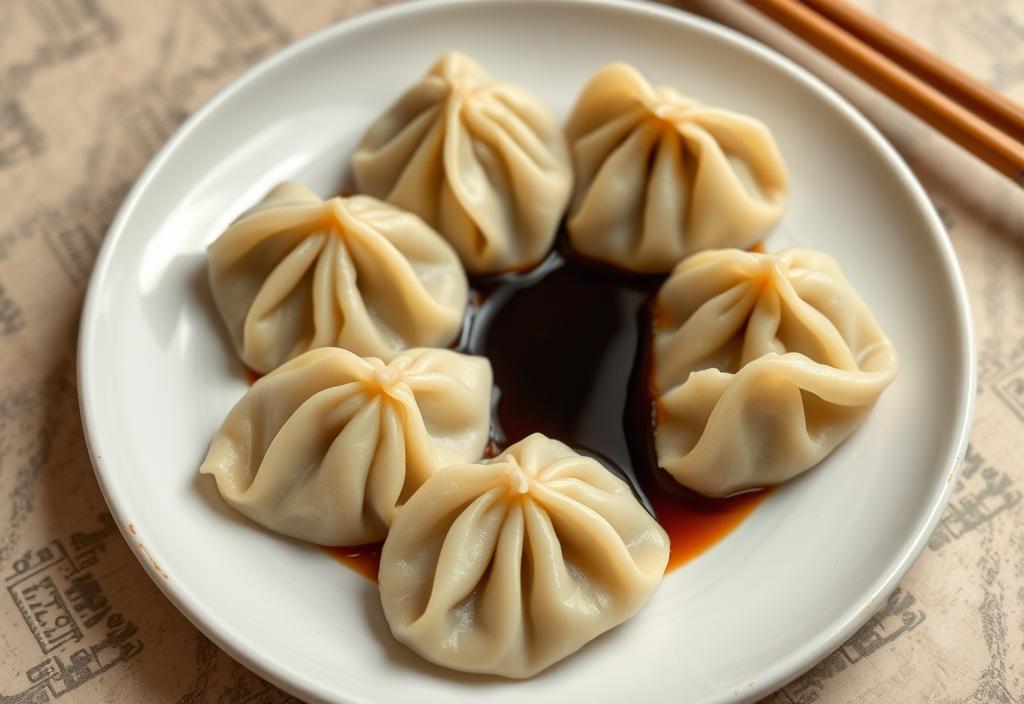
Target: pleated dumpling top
<point x="763" y="364"/>
<point x="660" y="176"/>
<point x="328" y="445"/>
<point x="297" y="272"/>
<point x="482" y="161"/>
<point x="509" y="565"/>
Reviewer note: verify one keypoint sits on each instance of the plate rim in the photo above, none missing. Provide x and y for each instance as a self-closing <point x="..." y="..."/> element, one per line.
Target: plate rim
<point x="784" y="669"/>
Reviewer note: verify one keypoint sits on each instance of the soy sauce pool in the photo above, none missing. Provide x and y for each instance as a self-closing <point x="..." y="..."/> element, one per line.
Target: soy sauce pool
<point x="569" y="345"/>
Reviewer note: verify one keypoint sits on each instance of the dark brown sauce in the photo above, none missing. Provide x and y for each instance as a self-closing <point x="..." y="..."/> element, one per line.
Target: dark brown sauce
<point x="569" y="345"/>
<point x="364" y="559"/>
<point x="693" y="522"/>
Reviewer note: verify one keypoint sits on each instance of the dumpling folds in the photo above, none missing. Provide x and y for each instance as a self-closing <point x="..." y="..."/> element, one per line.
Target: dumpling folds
<point x="327" y="445"/>
<point x="482" y="161"/>
<point x="508" y="566"/>
<point x="660" y="176"/>
<point x="763" y="364"/>
<point x="296" y="272"/>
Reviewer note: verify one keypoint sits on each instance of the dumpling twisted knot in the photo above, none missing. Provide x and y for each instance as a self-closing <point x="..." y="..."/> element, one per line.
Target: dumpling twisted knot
<point x="329" y="444"/>
<point x="763" y="364"/>
<point x="509" y="565"/>
<point x="660" y="176"/>
<point x="295" y="273"/>
<point x="482" y="161"/>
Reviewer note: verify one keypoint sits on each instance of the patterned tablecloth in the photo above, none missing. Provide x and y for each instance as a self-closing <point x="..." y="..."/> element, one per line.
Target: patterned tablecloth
<point x="89" y="89"/>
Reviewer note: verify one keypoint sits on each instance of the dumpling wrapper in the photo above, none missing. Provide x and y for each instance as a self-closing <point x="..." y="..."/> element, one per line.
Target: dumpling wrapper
<point x="763" y="364"/>
<point x="660" y="176"/>
<point x="507" y="566"/>
<point x="296" y="272"/>
<point x="326" y="446"/>
<point x="482" y="161"/>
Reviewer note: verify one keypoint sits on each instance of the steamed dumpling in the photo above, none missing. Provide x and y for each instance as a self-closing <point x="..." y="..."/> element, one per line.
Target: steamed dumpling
<point x="660" y="176"/>
<point x="507" y="566"/>
<point x="327" y="445"/>
<point x="297" y="272"/>
<point x="482" y="161"/>
<point x="763" y="363"/>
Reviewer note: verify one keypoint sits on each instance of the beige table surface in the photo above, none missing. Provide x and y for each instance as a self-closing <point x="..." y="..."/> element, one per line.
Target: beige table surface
<point x="89" y="89"/>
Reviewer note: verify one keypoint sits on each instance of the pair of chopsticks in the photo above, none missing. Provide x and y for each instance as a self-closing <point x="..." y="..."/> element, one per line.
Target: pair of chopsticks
<point x="976" y="117"/>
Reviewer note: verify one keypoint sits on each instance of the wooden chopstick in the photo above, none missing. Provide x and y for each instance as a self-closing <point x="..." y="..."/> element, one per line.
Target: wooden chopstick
<point x="984" y="101"/>
<point x="984" y="140"/>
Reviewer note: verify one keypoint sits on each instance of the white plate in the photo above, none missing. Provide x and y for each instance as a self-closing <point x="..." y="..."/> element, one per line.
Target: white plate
<point x="813" y="562"/>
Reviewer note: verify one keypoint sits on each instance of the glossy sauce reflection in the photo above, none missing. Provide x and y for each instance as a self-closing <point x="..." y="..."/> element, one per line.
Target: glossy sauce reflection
<point x="364" y="559"/>
<point x="569" y="344"/>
